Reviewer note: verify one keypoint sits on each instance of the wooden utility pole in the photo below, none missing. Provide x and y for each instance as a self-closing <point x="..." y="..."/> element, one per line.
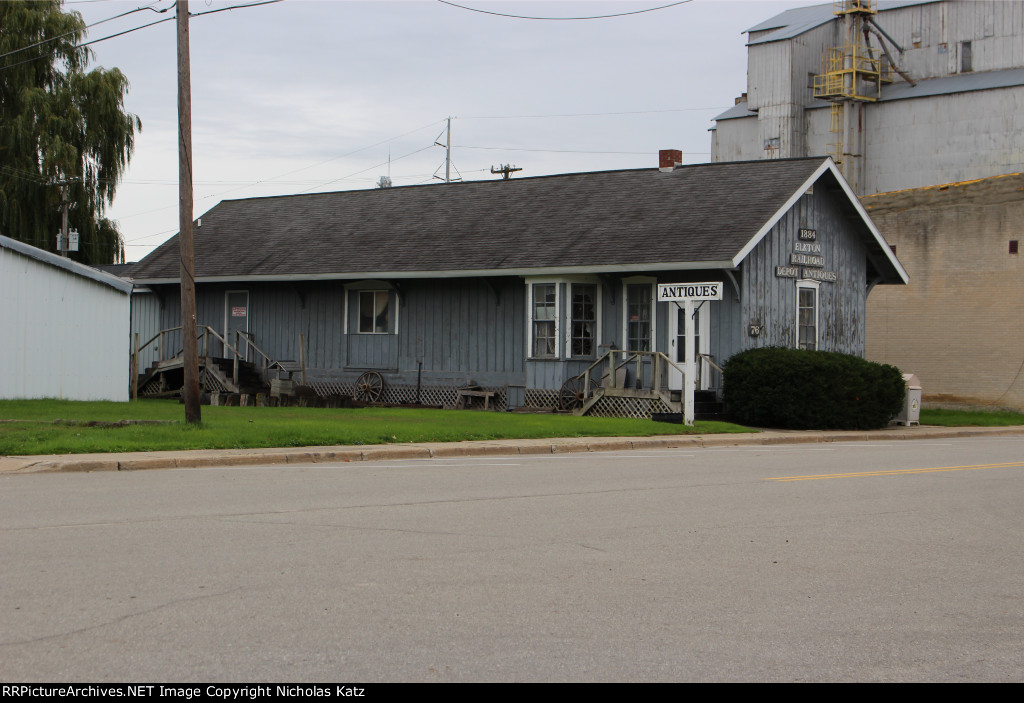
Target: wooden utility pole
<point x="64" y="204"/>
<point x="190" y="355"/>
<point x="506" y="170"/>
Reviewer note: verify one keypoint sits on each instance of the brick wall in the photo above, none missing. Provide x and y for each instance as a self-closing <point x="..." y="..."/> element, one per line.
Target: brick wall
<point x="959" y="323"/>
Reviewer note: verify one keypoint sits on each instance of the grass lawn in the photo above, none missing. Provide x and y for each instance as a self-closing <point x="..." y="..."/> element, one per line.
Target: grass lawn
<point x="59" y="427"/>
<point x="970" y="418"/>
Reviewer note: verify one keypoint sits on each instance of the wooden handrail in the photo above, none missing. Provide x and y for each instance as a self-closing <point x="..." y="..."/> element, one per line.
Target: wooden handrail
<point x="708" y="358"/>
<point x="658" y="358"/>
<point x="269" y="361"/>
<point x="203" y="332"/>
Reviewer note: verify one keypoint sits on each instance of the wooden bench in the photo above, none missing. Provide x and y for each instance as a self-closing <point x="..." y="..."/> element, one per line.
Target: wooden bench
<point x="465" y="394"/>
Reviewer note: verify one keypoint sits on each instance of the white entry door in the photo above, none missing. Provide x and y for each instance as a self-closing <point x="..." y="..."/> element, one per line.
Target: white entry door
<point x="677" y="342"/>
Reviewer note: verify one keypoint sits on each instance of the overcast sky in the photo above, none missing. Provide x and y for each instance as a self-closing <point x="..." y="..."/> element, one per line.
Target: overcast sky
<point x="313" y="95"/>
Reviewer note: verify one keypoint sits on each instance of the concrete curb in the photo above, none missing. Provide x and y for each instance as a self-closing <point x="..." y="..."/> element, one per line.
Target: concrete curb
<point x="139" y="461"/>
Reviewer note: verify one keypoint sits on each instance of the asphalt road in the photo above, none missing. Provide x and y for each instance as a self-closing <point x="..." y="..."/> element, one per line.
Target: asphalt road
<point x="883" y="561"/>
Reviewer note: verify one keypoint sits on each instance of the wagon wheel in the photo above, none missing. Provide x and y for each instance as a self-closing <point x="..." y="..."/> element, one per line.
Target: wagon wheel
<point x="369" y="387"/>
<point x="572" y="395"/>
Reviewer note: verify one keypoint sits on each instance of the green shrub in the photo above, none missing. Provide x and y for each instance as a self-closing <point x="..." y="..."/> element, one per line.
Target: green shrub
<point x="800" y="389"/>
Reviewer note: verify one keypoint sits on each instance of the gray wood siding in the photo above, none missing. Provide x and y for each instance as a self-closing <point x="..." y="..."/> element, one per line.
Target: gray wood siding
<point x="459" y="327"/>
<point x="323" y="320"/>
<point x="771" y="300"/>
<point x="146" y="322"/>
<point x="462" y="330"/>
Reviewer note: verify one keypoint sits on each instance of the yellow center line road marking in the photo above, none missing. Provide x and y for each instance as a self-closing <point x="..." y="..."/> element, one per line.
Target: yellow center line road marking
<point x="896" y="472"/>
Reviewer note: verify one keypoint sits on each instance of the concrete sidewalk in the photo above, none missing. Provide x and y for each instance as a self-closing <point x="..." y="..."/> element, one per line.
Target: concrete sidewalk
<point x="133" y="461"/>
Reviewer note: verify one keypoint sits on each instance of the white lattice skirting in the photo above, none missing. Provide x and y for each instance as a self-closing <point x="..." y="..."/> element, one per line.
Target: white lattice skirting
<point x="641" y="408"/>
<point x="540" y="398"/>
<point x="445" y="396"/>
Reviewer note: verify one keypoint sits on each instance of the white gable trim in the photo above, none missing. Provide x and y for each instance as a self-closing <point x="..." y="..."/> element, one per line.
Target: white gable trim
<point x="826" y="165"/>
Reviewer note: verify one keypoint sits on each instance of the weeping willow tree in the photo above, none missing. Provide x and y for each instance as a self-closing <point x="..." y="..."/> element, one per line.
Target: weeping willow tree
<point x="59" y="124"/>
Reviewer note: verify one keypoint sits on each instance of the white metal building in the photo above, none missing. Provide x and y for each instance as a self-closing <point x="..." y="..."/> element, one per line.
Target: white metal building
<point x="961" y="118"/>
<point x="64" y="327"/>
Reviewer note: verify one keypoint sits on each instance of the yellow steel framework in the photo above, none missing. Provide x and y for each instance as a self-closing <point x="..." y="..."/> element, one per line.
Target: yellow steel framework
<point x="843" y="7"/>
<point x="853" y="71"/>
<point x="835" y="147"/>
<point x="848" y="70"/>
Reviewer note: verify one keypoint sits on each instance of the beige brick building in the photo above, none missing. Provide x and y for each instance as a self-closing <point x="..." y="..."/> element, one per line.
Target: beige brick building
<point x="958" y="324"/>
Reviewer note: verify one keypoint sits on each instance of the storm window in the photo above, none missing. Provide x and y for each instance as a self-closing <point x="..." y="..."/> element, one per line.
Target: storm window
<point x="807" y="316"/>
<point x="374" y="312"/>
<point x="638" y="317"/>
<point x="583" y="328"/>
<point x="544" y="320"/>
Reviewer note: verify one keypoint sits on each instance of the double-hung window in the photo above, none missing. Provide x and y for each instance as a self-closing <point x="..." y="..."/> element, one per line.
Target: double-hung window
<point x="583" y="323"/>
<point x="544" y="320"/>
<point x="807" y="315"/>
<point x="564" y="318"/>
<point x="639" y="316"/>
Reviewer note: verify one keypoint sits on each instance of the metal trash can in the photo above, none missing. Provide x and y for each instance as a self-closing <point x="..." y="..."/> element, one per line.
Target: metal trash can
<point x="911" y="412"/>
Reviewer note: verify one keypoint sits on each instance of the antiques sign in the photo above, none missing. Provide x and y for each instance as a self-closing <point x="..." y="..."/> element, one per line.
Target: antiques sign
<point x="806" y="261"/>
<point x="680" y="292"/>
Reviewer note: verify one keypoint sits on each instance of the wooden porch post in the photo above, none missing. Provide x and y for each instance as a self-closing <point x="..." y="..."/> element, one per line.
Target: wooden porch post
<point x="135" y="369"/>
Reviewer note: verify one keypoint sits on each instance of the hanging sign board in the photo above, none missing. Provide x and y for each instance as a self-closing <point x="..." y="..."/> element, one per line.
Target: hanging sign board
<point x="680" y="292"/>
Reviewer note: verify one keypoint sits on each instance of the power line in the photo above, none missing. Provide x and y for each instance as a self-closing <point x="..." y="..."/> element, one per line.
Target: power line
<point x="286" y="173"/>
<point x="234" y="7"/>
<point x="564" y="19"/>
<point x="144" y="26"/>
<point x="383" y="163"/>
<point x="88" y="43"/>
<point x="333" y="158"/>
<point x="68" y="34"/>
<point x="593" y="114"/>
<point x="552" y="151"/>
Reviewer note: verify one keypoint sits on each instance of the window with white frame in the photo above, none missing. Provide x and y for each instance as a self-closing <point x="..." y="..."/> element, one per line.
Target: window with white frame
<point x="544" y="320"/>
<point x="374" y="312"/>
<point x="639" y="316"/>
<point x="807" y="315"/>
<point x="583" y="320"/>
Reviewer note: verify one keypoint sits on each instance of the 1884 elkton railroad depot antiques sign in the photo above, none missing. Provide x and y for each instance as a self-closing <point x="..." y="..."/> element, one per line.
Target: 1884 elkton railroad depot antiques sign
<point x="806" y="255"/>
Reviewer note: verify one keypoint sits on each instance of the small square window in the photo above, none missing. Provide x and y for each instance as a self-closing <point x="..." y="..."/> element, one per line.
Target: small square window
<point x="1014" y="246"/>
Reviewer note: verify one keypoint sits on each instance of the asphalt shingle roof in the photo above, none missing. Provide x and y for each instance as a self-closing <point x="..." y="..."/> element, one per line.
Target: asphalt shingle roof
<point x="706" y="212"/>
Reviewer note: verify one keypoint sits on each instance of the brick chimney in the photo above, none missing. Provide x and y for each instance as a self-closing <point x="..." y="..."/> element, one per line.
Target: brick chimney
<point x="668" y="159"/>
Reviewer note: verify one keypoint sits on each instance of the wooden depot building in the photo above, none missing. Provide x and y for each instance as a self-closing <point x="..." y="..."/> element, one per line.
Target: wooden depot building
<point x="533" y="291"/>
